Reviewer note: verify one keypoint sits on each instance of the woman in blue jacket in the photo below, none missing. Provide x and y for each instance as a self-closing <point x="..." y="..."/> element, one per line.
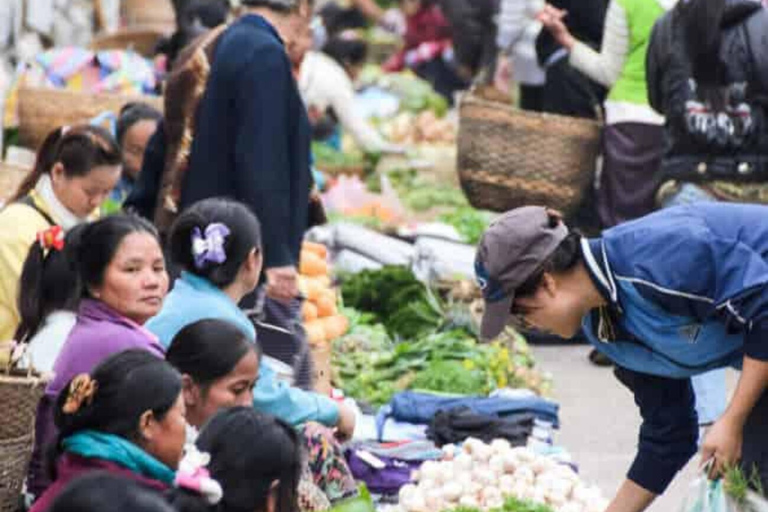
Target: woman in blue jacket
<point x="666" y="297"/>
<point x="217" y="243"/>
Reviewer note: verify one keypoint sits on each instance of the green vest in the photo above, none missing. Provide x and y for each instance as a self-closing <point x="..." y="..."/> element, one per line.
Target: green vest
<point x="641" y="16"/>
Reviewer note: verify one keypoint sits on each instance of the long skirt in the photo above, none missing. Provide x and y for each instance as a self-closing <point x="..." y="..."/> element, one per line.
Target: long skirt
<point x="630" y="176"/>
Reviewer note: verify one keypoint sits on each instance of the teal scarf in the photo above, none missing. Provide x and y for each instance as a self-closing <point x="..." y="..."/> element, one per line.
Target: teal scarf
<point x="96" y="445"/>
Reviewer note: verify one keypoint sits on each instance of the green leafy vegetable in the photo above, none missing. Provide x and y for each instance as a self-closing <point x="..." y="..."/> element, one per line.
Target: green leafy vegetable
<point x="470" y="223"/>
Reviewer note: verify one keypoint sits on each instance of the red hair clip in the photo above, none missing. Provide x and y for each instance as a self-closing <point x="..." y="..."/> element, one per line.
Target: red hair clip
<point x="51" y="238"/>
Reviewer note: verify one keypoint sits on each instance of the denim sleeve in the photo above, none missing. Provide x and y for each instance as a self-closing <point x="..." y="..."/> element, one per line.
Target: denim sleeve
<point x="669" y="430"/>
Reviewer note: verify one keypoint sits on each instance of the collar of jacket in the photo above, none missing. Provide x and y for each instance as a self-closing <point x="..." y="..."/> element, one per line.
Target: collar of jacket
<point x="599" y="269"/>
<point x="261" y="22"/>
<point x="99" y="311"/>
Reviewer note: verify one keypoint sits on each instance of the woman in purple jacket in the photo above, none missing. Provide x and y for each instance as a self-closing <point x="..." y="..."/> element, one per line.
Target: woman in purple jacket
<point x="124" y="282"/>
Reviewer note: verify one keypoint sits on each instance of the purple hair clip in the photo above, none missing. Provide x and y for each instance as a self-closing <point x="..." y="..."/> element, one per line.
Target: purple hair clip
<point x="208" y="247"/>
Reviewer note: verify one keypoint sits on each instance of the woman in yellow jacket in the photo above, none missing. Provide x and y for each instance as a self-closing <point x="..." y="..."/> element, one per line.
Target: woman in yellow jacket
<point x="75" y="171"/>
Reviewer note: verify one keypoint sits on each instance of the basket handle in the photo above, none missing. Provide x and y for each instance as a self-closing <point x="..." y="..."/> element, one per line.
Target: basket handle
<point x="17" y="351"/>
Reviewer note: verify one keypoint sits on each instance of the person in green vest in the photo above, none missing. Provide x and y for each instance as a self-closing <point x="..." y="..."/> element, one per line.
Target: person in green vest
<point x="634" y="136"/>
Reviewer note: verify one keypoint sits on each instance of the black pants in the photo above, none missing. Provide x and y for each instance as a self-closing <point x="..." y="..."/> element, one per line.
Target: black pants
<point x="755" y="448"/>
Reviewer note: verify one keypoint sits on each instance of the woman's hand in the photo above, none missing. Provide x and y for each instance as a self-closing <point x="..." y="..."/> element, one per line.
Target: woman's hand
<point x="722" y="444"/>
<point x="552" y="19"/>
<point x="345" y="428"/>
<point x="282" y="283"/>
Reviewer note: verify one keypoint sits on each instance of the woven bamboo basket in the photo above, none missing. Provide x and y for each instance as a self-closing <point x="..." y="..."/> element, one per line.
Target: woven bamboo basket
<point x="43" y="110"/>
<point x="142" y="40"/>
<point x="14" y="459"/>
<point x="11" y="177"/>
<point x="508" y="157"/>
<point x="21" y="394"/>
<point x="149" y="13"/>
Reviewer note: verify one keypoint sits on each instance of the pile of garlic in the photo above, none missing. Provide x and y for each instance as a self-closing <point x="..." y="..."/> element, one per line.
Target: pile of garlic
<point x="482" y="476"/>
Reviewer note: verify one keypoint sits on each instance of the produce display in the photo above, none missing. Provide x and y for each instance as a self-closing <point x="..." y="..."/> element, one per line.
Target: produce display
<point x="322" y="321"/>
<point x="394" y="298"/>
<point x="424" y="127"/>
<point x="416" y="95"/>
<point x="497" y="477"/>
<point x="403" y="337"/>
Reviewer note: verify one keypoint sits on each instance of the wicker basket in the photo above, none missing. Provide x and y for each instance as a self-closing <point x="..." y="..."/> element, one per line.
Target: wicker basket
<point x="21" y="394"/>
<point x="142" y="40"/>
<point x="508" y="157"/>
<point x="149" y="13"/>
<point x="43" y="110"/>
<point x="14" y="459"/>
<point x="11" y="177"/>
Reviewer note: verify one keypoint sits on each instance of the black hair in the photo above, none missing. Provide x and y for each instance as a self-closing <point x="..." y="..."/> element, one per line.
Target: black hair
<point x="282" y="6"/>
<point x="347" y="52"/>
<point x="100" y="491"/>
<point x="79" y="149"/>
<point x="133" y="113"/>
<point x="564" y="258"/>
<point x="49" y="282"/>
<point x="208" y="350"/>
<point x="249" y="450"/>
<point x="193" y="18"/>
<point x="244" y="236"/>
<point x="128" y="384"/>
<point x="99" y="242"/>
<point x="701" y="23"/>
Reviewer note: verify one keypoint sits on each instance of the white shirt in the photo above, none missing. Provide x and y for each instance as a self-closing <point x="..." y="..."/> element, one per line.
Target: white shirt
<point x="324" y="83"/>
<point x="44" y="347"/>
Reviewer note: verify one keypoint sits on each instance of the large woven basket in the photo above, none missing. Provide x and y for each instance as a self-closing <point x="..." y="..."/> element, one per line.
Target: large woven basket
<point x="149" y="13"/>
<point x="11" y="177"/>
<point x="508" y="157"/>
<point x="14" y="459"/>
<point x="42" y="110"/>
<point x="21" y="395"/>
<point x="142" y="40"/>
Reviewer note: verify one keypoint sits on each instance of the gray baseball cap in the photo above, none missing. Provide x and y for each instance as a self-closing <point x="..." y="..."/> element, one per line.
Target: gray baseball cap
<point x="512" y="248"/>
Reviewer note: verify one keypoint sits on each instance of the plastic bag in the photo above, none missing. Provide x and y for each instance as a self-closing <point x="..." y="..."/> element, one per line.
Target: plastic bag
<point x="709" y="496"/>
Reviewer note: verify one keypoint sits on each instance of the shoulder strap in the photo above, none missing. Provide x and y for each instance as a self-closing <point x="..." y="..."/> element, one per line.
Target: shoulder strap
<point x="28" y="201"/>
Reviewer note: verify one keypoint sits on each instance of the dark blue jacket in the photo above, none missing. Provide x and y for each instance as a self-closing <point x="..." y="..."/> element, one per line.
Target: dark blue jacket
<point x="252" y="137"/>
<point x="687" y="292"/>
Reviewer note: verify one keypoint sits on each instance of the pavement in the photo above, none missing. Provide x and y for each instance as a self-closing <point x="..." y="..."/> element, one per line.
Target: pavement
<point x="599" y="422"/>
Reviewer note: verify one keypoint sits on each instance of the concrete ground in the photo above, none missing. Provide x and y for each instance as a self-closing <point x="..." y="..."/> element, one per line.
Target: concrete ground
<point x="600" y="421"/>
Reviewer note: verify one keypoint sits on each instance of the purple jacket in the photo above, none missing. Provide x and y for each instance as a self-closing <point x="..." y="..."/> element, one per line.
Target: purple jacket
<point x="72" y="466"/>
<point x="100" y="332"/>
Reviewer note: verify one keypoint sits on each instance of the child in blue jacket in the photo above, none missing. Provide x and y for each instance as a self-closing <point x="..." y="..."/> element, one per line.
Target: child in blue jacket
<point x="666" y="297"/>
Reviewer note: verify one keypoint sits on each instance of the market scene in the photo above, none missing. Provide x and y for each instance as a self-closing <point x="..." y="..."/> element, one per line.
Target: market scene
<point x="384" y="255"/>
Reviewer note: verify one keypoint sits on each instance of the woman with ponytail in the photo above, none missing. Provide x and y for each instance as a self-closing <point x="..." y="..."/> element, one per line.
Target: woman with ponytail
<point x="125" y="417"/>
<point x="48" y="295"/>
<point x="75" y="171"/>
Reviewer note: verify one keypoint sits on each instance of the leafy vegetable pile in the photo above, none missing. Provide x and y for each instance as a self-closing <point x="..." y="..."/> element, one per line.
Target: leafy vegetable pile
<point x="420" y="194"/>
<point x="326" y="155"/>
<point x="396" y="299"/>
<point x="470" y="223"/>
<point x="511" y="505"/>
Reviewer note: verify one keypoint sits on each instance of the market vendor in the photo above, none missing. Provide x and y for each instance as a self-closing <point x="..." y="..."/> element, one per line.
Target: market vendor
<point x="666" y="297"/>
<point x="326" y="82"/>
